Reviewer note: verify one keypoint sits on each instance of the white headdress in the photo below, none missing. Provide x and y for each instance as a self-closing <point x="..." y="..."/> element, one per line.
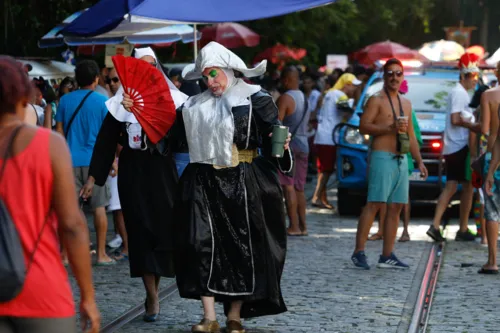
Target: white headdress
<point x="115" y="106"/>
<point x="208" y="119"/>
<point x="216" y="55"/>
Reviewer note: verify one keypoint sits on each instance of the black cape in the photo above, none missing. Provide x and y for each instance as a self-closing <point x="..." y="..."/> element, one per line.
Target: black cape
<point x="147" y="181"/>
<point x="230" y="223"/>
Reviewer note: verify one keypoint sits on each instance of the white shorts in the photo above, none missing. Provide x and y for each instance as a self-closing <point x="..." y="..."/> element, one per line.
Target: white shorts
<point x="114" y="201"/>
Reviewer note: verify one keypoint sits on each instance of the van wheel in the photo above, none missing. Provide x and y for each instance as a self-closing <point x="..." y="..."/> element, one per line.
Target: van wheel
<point x="348" y="203"/>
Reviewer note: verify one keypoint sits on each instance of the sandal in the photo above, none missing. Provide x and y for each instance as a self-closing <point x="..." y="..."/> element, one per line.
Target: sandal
<point x="319" y="205"/>
<point x="120" y="257"/>
<point x="404" y="238"/>
<point x="376" y="237"/>
<point x="106" y="263"/>
<point x="488" y="271"/>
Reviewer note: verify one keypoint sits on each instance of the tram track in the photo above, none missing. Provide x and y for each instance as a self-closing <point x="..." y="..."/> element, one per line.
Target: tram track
<point x="136" y="311"/>
<point x="164" y="294"/>
<point x="423" y="304"/>
<point x="421" y="307"/>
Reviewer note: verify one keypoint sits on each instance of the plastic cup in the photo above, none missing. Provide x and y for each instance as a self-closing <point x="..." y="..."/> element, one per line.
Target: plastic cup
<point x="280" y="134"/>
<point x="402" y="119"/>
<point x="466" y="116"/>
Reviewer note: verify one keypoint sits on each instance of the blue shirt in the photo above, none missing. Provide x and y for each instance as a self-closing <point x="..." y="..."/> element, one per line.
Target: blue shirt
<point x="86" y="125"/>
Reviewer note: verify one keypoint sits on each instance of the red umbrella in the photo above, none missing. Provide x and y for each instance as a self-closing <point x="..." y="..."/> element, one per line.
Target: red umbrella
<point x="383" y="50"/>
<point x="231" y="35"/>
<point x="280" y="53"/>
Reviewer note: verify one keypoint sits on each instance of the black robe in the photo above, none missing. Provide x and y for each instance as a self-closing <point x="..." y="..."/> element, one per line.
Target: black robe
<point x="230" y="223"/>
<point x="147" y="181"/>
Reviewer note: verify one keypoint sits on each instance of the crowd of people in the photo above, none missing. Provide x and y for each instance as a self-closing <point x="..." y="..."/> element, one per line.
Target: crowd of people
<point x="205" y="203"/>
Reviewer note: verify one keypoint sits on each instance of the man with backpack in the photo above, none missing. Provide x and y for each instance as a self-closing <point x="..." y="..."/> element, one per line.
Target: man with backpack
<point x="79" y="118"/>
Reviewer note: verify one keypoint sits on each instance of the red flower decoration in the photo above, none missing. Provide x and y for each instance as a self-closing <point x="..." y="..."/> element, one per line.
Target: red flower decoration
<point x="403" y="89"/>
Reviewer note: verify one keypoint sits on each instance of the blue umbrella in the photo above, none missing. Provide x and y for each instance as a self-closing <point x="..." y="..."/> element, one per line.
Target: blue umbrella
<point x="106" y="15"/>
<point x="217" y="11"/>
<point x="119" y="35"/>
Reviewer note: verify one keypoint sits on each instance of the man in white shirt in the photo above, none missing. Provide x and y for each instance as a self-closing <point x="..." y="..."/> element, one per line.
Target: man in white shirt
<point x="459" y="121"/>
<point x="328" y="119"/>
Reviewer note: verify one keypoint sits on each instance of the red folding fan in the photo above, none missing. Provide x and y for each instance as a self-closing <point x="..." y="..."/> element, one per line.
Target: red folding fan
<point x="153" y="106"/>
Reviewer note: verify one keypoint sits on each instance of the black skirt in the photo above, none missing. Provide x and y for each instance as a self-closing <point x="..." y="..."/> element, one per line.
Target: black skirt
<point x="231" y="236"/>
<point x="147" y="182"/>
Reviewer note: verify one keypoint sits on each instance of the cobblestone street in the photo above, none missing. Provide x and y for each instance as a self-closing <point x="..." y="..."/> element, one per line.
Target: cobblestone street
<point x="325" y="293"/>
<point x="322" y="290"/>
<point x="464" y="301"/>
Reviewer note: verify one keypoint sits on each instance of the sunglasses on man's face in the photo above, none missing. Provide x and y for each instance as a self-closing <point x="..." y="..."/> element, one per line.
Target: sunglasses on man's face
<point x="114" y="79"/>
<point x="394" y="73"/>
<point x="152" y="64"/>
<point x="474" y="76"/>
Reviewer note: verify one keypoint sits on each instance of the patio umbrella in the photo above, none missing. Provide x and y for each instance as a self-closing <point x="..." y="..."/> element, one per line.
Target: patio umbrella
<point x="383" y="50"/>
<point x="442" y="50"/>
<point x="106" y="15"/>
<point x="231" y="35"/>
<point x="494" y="59"/>
<point x="477" y="50"/>
<point x="280" y="53"/>
<point x="120" y="35"/>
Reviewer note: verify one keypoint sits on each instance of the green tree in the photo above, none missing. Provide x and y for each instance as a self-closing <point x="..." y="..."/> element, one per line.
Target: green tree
<point x="342" y="27"/>
<point x="24" y="23"/>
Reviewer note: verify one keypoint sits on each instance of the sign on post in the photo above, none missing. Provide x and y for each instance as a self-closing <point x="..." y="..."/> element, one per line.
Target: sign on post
<point x="336" y="61"/>
<point x="112" y="50"/>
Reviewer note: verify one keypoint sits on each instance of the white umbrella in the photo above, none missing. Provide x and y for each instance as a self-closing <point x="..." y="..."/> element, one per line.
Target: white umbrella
<point x="442" y="50"/>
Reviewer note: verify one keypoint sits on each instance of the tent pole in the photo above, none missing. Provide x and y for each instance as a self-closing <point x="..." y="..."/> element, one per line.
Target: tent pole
<point x="195" y="32"/>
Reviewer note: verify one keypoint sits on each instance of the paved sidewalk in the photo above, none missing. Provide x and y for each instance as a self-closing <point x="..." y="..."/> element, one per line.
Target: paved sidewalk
<point x="464" y="301"/>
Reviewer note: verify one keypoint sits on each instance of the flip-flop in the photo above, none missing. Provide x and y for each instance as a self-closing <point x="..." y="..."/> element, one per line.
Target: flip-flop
<point x="329" y="206"/>
<point x="298" y="234"/>
<point x="106" y="263"/>
<point x="305" y="233"/>
<point x="121" y="257"/>
<point x="404" y="238"/>
<point x="319" y="205"/>
<point x="488" y="271"/>
<point x="375" y="237"/>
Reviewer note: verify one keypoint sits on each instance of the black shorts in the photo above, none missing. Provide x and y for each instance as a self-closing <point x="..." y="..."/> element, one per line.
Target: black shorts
<point x="455" y="165"/>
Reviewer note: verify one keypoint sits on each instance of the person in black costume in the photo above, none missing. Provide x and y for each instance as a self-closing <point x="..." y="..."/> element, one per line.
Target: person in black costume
<point x="148" y="179"/>
<point x="229" y="215"/>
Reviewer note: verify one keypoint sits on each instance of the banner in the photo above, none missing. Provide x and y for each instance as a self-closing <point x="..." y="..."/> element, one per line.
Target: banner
<point x="336" y="61"/>
<point x="112" y="50"/>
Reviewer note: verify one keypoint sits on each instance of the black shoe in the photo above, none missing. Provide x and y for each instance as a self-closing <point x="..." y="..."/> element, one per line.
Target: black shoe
<point x="465" y="236"/>
<point x="435" y="234"/>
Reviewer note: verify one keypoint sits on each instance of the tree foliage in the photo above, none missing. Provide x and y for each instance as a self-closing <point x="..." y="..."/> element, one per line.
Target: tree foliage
<point x="25" y="22"/>
<point x="339" y="28"/>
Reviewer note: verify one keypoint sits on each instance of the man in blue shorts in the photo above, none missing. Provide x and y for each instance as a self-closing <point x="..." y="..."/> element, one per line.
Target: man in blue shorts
<point x="387" y="118"/>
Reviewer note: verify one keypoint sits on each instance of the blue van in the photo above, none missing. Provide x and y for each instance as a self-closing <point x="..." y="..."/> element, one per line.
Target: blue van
<point x="428" y="90"/>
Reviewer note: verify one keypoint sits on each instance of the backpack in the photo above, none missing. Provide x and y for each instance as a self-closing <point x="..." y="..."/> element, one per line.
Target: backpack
<point x="13" y="270"/>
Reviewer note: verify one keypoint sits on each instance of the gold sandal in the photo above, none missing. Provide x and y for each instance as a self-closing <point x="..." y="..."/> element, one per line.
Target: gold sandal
<point x="206" y="326"/>
<point x="234" y="326"/>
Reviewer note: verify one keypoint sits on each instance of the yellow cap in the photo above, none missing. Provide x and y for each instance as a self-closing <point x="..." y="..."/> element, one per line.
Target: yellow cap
<point x="345" y="79"/>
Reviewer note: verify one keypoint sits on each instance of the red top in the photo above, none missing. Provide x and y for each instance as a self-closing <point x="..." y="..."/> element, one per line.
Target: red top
<point x="26" y="189"/>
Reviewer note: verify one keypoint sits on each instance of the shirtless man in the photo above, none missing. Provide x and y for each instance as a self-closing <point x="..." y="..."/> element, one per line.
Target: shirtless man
<point x="388" y="171"/>
<point x="490" y="102"/>
<point x="490" y="107"/>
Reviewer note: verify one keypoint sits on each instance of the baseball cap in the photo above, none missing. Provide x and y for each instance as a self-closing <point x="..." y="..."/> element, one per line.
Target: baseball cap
<point x="346" y="78"/>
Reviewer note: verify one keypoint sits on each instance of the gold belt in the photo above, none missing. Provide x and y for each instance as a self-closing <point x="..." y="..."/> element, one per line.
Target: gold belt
<point x="240" y="156"/>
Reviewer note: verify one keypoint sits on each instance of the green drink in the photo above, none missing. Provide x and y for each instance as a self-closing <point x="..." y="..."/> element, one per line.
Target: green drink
<point x="280" y="134"/>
